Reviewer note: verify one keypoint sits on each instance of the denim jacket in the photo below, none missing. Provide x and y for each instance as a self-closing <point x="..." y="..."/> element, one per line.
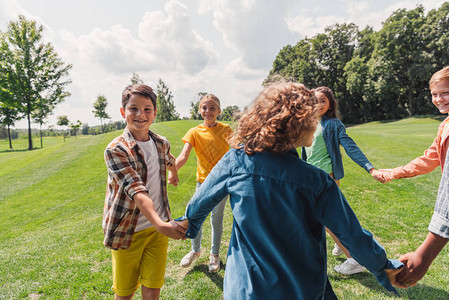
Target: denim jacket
<point x="334" y="135"/>
<point x="280" y="205"/>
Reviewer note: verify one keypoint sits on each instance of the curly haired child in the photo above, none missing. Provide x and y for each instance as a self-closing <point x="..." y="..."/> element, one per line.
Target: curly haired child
<point x="281" y="205"/>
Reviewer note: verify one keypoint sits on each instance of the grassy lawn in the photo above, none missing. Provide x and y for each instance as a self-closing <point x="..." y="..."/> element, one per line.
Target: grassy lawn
<point x="52" y="203"/>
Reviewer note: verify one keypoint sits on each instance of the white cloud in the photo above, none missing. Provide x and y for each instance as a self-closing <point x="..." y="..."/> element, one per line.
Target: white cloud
<point x="256" y="30"/>
<point x="170" y="37"/>
<point x="309" y="26"/>
<point x="311" y="21"/>
<point x="238" y="69"/>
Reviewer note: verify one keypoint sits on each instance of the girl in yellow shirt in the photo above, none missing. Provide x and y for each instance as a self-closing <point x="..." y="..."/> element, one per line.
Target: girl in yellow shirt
<point x="210" y="143"/>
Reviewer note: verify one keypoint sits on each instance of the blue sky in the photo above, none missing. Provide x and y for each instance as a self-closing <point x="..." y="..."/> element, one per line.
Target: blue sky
<point x="225" y="47"/>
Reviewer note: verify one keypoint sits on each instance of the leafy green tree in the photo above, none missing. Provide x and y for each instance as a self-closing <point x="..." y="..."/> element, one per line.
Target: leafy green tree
<point x="397" y="63"/>
<point x="8" y="116"/>
<point x="135" y="79"/>
<point x="31" y="70"/>
<point x="63" y="121"/>
<point x="165" y="106"/>
<point x="195" y="113"/>
<point x="100" y="109"/>
<point x="85" y="129"/>
<point x="436" y="34"/>
<point x="230" y="112"/>
<point x="75" y="127"/>
<point x="40" y="114"/>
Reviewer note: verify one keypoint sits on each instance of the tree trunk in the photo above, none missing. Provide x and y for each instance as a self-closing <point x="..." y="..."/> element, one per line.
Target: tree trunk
<point x="30" y="139"/>
<point x="410" y="100"/>
<point x="9" y="136"/>
<point x="40" y="132"/>
<point x="101" y="122"/>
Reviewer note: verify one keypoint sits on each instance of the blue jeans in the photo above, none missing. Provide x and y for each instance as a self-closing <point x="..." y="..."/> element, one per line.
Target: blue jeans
<point x="216" y="221"/>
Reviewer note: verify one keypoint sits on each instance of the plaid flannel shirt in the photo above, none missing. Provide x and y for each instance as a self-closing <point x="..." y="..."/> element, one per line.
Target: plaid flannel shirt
<point x="127" y="175"/>
<point x="439" y="224"/>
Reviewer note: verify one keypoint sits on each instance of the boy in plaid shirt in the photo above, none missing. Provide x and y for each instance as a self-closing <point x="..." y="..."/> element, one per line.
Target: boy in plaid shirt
<point x="137" y="219"/>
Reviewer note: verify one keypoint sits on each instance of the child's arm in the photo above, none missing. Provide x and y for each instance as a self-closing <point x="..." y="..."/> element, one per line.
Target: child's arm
<point x="172" y="175"/>
<point x="182" y="158"/>
<point x="421" y="165"/>
<point x="146" y="206"/>
<point x="417" y="263"/>
<point x="351" y="147"/>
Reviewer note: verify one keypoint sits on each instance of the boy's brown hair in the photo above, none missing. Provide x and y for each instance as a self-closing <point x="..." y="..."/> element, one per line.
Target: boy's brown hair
<point x="276" y="120"/>
<point x="138" y="89"/>
<point x="438" y="76"/>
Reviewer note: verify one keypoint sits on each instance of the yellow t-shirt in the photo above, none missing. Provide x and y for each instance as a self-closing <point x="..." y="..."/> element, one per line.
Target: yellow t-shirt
<point x="210" y="145"/>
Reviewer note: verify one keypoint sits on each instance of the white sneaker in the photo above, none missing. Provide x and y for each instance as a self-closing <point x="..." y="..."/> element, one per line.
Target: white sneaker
<point x="188" y="259"/>
<point x="214" y="263"/>
<point x="349" y="267"/>
<point x="337" y="251"/>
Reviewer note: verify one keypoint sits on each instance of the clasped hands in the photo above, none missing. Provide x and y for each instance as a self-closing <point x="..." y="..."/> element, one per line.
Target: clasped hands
<point x="175" y="229"/>
<point x="382" y="175"/>
<point x="415" y="267"/>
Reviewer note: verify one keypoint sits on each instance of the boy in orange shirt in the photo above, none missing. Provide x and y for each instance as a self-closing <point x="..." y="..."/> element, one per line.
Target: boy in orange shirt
<point x="435" y="155"/>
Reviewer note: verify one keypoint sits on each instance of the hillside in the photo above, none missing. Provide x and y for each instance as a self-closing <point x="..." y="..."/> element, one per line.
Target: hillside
<point x="52" y="204"/>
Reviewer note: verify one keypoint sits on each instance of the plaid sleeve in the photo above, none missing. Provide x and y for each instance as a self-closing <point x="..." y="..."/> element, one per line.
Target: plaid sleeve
<point x="170" y="158"/>
<point x="122" y="168"/>
<point x="439" y="224"/>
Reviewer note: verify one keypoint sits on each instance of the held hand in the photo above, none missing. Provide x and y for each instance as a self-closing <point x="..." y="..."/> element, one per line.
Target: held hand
<point x="172" y="230"/>
<point x="414" y="269"/>
<point x="381" y="175"/>
<point x="173" y="178"/>
<point x="184" y="224"/>
<point x="387" y="174"/>
<point x="392" y="277"/>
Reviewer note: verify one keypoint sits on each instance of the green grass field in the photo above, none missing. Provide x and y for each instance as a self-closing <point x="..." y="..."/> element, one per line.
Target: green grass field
<point x="52" y="199"/>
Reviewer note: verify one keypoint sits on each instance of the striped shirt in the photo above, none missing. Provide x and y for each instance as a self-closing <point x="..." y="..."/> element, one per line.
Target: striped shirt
<point x="439" y="224"/>
<point x="127" y="176"/>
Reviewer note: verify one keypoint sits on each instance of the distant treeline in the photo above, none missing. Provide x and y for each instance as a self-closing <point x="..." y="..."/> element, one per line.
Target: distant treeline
<point x="375" y="75"/>
<point x="84" y="130"/>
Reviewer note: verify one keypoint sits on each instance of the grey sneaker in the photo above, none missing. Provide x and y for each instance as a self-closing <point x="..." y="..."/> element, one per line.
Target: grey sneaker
<point x="214" y="263"/>
<point x="337" y="251"/>
<point x="349" y="267"/>
<point x="188" y="259"/>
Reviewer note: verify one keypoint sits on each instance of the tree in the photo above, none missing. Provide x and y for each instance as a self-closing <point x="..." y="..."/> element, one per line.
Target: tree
<point x="43" y="110"/>
<point x="75" y="127"/>
<point x="135" y="79"/>
<point x="100" y="109"/>
<point x="85" y="129"/>
<point x="63" y="121"/>
<point x="8" y="116"/>
<point x="230" y="112"/>
<point x="195" y="113"/>
<point x="165" y="107"/>
<point x="30" y="69"/>
<point x="398" y="64"/>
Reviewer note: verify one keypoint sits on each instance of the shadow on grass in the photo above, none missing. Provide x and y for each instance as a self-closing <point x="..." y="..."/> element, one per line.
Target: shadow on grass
<point x="424" y="292"/>
<point x="216" y="278"/>
<point x="19" y="150"/>
<point x="418" y="292"/>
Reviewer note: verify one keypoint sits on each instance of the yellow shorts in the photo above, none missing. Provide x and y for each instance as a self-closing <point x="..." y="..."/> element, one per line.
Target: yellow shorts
<point x="143" y="263"/>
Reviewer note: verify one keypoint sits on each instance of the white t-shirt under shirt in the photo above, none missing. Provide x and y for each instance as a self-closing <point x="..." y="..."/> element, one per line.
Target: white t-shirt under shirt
<point x="153" y="183"/>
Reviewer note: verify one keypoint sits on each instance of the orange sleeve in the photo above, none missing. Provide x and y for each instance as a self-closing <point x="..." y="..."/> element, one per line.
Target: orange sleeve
<point x="424" y="164"/>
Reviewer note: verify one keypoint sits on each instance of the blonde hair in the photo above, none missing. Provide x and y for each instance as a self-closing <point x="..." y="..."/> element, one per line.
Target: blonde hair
<point x="438" y="76"/>
<point x="210" y="97"/>
<point x="276" y="120"/>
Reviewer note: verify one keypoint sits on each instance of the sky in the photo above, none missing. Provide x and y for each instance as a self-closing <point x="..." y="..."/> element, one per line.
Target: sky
<point x="224" y="47"/>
